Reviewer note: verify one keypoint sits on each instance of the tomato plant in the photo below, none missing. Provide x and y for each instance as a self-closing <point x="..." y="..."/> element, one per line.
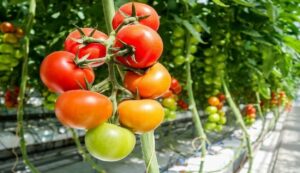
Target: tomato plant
<point x="109" y="142"/>
<point x="60" y="73"/>
<point x="82" y="109"/>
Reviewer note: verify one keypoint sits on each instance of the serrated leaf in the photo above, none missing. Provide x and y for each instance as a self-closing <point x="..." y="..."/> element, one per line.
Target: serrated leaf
<point x="192" y="30"/>
<point x="220" y="3"/>
<point x="244" y="3"/>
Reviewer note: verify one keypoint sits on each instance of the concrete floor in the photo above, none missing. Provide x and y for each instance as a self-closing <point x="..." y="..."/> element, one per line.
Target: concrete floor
<point x="288" y="158"/>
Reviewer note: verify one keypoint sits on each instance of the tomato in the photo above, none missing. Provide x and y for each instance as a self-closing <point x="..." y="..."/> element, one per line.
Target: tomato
<point x="211" y="110"/>
<point x="182" y="104"/>
<point x="223" y="120"/>
<point x="11" y="97"/>
<point x="282" y="94"/>
<point x="193" y="49"/>
<point x="213" y="101"/>
<point x="250" y="109"/>
<point x="221" y="97"/>
<point x="175" y="86"/>
<point x="209" y="126"/>
<point x="59" y="72"/>
<point x="252" y="115"/>
<point x="169" y="115"/>
<point x="179" y="60"/>
<point x="178" y="32"/>
<point x="176" y="52"/>
<point x="198" y="27"/>
<point x="141" y="115"/>
<point x="82" y="109"/>
<point x="147" y="44"/>
<point x="220" y="106"/>
<point x="7" y="27"/>
<point x="168" y="94"/>
<point x="10" y="38"/>
<point x="179" y="43"/>
<point x="169" y="103"/>
<point x="20" y="33"/>
<point x="221" y="113"/>
<point x="215" y="117"/>
<point x="208" y="61"/>
<point x="219" y="128"/>
<point x="154" y="83"/>
<point x="109" y="142"/>
<point x="95" y="50"/>
<point x="141" y="10"/>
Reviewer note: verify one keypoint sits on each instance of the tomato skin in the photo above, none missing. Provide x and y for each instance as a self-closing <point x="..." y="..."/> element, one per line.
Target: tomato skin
<point x="20" y="33"/>
<point x="213" y="101"/>
<point x="175" y="86"/>
<point x="153" y="84"/>
<point x="109" y="142"/>
<point x="182" y="104"/>
<point x="209" y="126"/>
<point x="141" y="115"/>
<point x="170" y="103"/>
<point x="59" y="72"/>
<point x="221" y="97"/>
<point x="7" y="27"/>
<point x="11" y="97"/>
<point x="252" y="115"/>
<point x="147" y="44"/>
<point x="167" y="94"/>
<point x="250" y="109"/>
<point x="211" y="110"/>
<point x="220" y="106"/>
<point x="141" y="10"/>
<point x="10" y="38"/>
<point x="96" y="50"/>
<point x="82" y="109"/>
<point x="214" y="118"/>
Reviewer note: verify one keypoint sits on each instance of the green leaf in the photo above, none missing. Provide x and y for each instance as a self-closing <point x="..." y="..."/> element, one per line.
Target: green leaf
<point x="192" y="30"/>
<point x="201" y="23"/>
<point x="268" y="61"/>
<point x="264" y="89"/>
<point x="292" y="42"/>
<point x="252" y="33"/>
<point x="245" y="3"/>
<point x="271" y="11"/>
<point x="220" y="3"/>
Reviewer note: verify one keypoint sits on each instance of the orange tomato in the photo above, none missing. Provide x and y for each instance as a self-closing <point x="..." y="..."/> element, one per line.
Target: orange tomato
<point x="82" y="109"/>
<point x="7" y="27"/>
<point x="213" y="101"/>
<point x="141" y="115"/>
<point x="153" y="84"/>
<point x="251" y="115"/>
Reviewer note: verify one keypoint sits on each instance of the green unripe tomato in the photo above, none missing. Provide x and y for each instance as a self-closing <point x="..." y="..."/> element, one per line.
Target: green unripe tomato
<point x="211" y="110"/>
<point x="193" y="49"/>
<point x="190" y="58"/>
<point x="210" y="126"/>
<point x="179" y="43"/>
<point x="208" y="52"/>
<point x="221" y="57"/>
<point x="208" y="61"/>
<point x="169" y="103"/>
<point x="198" y="27"/>
<point x="215" y="118"/>
<point x="178" y="32"/>
<point x="219" y="128"/>
<point x="172" y="115"/>
<point x="179" y="60"/>
<point x="193" y="41"/>
<point x="109" y="142"/>
<point x="223" y="120"/>
<point x="176" y="51"/>
<point x="208" y="68"/>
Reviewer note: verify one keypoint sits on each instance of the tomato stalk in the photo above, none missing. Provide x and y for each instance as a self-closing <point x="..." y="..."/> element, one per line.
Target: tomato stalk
<point x="86" y="157"/>
<point x="261" y="116"/>
<point x="20" y="110"/>
<point x="240" y="120"/>
<point x="195" y="115"/>
<point x="148" y="148"/>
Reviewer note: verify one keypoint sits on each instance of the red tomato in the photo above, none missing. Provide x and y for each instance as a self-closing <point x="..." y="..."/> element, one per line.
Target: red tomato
<point x="250" y="109"/>
<point x="95" y="50"/>
<point x="7" y="27"/>
<point x="220" y="106"/>
<point x="221" y="97"/>
<point x="175" y="86"/>
<point x="60" y="73"/>
<point x="154" y="83"/>
<point x="20" y="33"/>
<point x="11" y="97"/>
<point x="182" y="104"/>
<point x="82" y="109"/>
<point x="141" y="10"/>
<point x="146" y="42"/>
<point x="141" y="115"/>
<point x="282" y="94"/>
<point x="213" y="101"/>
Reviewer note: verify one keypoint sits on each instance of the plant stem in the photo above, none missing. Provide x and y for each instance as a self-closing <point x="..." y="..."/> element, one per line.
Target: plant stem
<point x="86" y="157"/>
<point x="261" y="116"/>
<point x="195" y="115"/>
<point x="109" y="12"/>
<point x="148" y="148"/>
<point x="239" y="118"/>
<point x="20" y="111"/>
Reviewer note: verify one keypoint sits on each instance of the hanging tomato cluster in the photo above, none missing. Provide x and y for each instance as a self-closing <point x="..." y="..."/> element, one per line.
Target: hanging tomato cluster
<point x="10" y="49"/>
<point x="250" y="114"/>
<point x="134" y="45"/>
<point x="216" y="116"/>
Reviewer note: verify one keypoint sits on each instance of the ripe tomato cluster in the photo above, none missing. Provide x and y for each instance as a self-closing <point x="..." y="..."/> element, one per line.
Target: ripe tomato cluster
<point x="134" y="45"/>
<point x="178" y="41"/>
<point x="216" y="116"/>
<point x="278" y="99"/>
<point x="10" y="49"/>
<point x="171" y="100"/>
<point x="250" y="114"/>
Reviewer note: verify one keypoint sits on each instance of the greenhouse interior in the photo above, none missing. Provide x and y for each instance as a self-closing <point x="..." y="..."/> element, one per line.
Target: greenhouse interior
<point x="155" y="86"/>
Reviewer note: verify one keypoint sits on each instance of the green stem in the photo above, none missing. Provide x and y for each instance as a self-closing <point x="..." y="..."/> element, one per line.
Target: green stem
<point x="239" y="118"/>
<point x="109" y="12"/>
<point x="148" y="148"/>
<point x="86" y="157"/>
<point x="195" y="115"/>
<point x="20" y="111"/>
<point x="261" y="116"/>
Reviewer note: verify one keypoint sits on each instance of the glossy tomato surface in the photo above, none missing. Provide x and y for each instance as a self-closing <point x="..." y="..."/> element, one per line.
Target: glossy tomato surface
<point x="141" y="115"/>
<point x="154" y="83"/>
<point x="141" y="10"/>
<point x="146" y="43"/>
<point x="94" y="50"/>
<point x="82" y="109"/>
<point x="59" y="72"/>
<point x="109" y="142"/>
